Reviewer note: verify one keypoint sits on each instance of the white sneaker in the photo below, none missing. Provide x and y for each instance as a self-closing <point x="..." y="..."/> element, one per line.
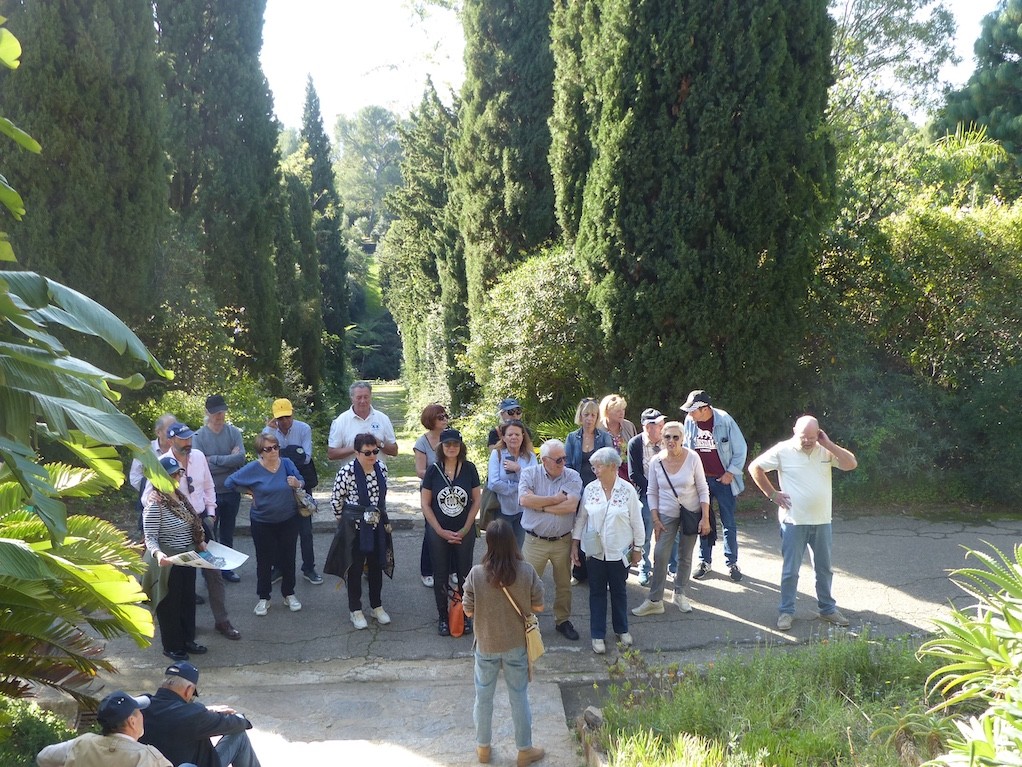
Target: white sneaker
<point x="262" y="606"/>
<point x="599" y="646"/>
<point x="835" y="617"/>
<point x="381" y="616"/>
<point x="358" y="620"/>
<point x="784" y="622"/>
<point x="649" y="608"/>
<point x="292" y="603"/>
<point x="625" y="639"/>
<point x="427" y="581"/>
<point x="683" y="604"/>
<point x="574" y="581"/>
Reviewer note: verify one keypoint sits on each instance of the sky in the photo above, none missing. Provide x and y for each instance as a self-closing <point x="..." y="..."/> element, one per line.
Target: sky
<point x="361" y="53"/>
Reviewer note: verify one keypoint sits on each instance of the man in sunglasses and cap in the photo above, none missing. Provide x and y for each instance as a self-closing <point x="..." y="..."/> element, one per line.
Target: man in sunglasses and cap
<point x="120" y="719"/>
<point x="197" y="483"/>
<point x="181" y="728"/>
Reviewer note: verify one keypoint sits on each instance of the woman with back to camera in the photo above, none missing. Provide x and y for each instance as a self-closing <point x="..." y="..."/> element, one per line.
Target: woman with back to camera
<point x="676" y="486"/>
<point x="512" y="454"/>
<point x="450" y="501"/>
<point x="579" y="447"/>
<point x="171" y="527"/>
<point x="434" y="419"/>
<point x="500" y="637"/>
<point x="613" y="421"/>
<point x="610" y="532"/>
<point x="359" y="500"/>
<point x="271" y="481"/>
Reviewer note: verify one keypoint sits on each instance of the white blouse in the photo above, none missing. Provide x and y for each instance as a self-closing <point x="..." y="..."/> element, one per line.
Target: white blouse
<point x="617" y="520"/>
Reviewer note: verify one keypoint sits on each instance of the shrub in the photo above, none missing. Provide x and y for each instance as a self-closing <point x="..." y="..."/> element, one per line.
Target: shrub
<point x="25" y="729"/>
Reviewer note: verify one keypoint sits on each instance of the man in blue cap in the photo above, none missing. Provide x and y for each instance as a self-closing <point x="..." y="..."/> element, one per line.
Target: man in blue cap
<point x="120" y="719"/>
<point x="181" y="728"/>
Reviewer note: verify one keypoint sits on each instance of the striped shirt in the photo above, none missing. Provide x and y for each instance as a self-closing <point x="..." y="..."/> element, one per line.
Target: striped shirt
<point x="164" y="530"/>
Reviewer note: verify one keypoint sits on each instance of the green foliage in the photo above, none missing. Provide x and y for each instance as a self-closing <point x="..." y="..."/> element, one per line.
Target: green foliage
<point x="223" y="149"/>
<point x="707" y="195"/>
<point x="369" y="167"/>
<point x="688" y="716"/>
<point x="422" y="263"/>
<point x="504" y="183"/>
<point x="92" y="96"/>
<point x="979" y="647"/>
<point x="991" y="97"/>
<point x="25" y="730"/>
<point x="534" y="337"/>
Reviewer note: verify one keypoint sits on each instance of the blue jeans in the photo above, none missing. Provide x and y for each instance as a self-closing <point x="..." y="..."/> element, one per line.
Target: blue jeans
<point x="516" y="676"/>
<point x="794" y="539"/>
<point x="236" y="750"/>
<point x="604" y="574"/>
<point x="646" y="567"/>
<point x="515" y="520"/>
<point x="726" y="505"/>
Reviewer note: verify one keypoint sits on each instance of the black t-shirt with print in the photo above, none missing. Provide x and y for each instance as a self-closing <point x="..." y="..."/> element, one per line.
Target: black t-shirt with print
<point x="451" y="499"/>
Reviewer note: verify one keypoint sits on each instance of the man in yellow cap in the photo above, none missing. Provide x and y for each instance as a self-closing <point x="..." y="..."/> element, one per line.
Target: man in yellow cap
<point x="295" y="439"/>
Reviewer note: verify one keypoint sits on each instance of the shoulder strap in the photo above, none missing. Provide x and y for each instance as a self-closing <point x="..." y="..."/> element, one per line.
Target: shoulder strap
<point x="514" y="604"/>
<point x="668" y="478"/>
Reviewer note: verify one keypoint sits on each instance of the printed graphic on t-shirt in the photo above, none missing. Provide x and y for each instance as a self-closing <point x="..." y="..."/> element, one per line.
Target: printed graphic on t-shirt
<point x="452" y="500"/>
<point x="705" y="443"/>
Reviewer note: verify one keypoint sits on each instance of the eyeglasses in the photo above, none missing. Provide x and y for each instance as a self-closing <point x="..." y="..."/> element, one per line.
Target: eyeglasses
<point x="451" y="443"/>
<point x="270" y="449"/>
<point x="367" y="453"/>
<point x="514" y="411"/>
<point x="559" y="461"/>
<point x="671" y="437"/>
<point x="443" y="417"/>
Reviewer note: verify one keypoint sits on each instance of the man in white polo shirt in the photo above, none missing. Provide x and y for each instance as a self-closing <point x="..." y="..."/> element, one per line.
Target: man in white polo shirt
<point x="803" y="465"/>
<point x="360" y="418"/>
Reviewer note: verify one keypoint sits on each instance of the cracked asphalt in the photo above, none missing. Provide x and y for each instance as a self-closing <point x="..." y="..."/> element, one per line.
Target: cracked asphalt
<point x="317" y="689"/>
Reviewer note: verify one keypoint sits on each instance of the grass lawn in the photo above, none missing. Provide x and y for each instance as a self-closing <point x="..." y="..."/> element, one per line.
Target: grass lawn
<point x="390" y="398"/>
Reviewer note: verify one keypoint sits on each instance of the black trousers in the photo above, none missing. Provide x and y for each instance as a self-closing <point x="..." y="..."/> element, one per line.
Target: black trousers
<point x="176" y="611"/>
<point x="440" y="551"/>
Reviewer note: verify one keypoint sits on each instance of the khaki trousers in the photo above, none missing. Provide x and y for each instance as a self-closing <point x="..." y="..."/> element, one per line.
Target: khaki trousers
<point x="537" y="553"/>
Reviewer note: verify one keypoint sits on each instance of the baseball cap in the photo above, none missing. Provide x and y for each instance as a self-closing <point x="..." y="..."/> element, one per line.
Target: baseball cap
<point x="509" y="403"/>
<point x="696" y="399"/>
<point x="185" y="670"/>
<point x="180" y="431"/>
<point x="282" y="407"/>
<point x="170" y="465"/>
<point x="450" y="435"/>
<point x="118" y="706"/>
<point x="651" y="415"/>
<point x="215" y="404"/>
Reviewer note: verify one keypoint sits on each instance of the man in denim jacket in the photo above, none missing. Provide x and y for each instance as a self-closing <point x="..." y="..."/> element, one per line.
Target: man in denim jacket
<point x="715" y="436"/>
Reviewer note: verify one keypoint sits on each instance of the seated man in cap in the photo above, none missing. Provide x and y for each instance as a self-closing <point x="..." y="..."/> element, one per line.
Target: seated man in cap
<point x="120" y="718"/>
<point x="181" y="728"/>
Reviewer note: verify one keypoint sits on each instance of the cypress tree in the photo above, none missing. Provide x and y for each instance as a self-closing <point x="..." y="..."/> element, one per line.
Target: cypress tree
<point x="89" y="91"/>
<point x="223" y="147"/>
<point x="328" y="217"/>
<point x="504" y="181"/>
<point x="422" y="258"/>
<point x="707" y="194"/>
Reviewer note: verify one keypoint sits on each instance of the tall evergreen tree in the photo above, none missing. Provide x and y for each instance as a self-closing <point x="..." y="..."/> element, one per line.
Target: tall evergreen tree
<point x="223" y="147"/>
<point x="504" y="181"/>
<point x="89" y="91"/>
<point x="706" y="194"/>
<point x="993" y="95"/>
<point x="368" y="168"/>
<point x="422" y="258"/>
<point x="327" y="221"/>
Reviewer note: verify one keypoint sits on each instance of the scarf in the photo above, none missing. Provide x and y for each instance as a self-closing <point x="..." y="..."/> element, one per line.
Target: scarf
<point x="371" y="537"/>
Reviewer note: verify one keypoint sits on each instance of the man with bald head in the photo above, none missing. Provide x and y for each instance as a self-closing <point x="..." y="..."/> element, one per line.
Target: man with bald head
<point x="804" y="464"/>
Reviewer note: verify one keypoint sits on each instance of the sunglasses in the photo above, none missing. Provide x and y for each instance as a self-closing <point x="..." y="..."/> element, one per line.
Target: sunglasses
<point x="671" y="437"/>
<point x="451" y="443"/>
<point x="367" y="453"/>
<point x="191" y="485"/>
<point x="559" y="461"/>
<point x="514" y="411"/>
<point x="270" y="449"/>
<point x="443" y="417"/>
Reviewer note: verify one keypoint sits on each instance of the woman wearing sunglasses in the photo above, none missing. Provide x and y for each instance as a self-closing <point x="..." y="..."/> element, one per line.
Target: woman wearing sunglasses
<point x="679" y="499"/>
<point x="359" y="502"/>
<point x="271" y="481"/>
<point x="579" y="447"/>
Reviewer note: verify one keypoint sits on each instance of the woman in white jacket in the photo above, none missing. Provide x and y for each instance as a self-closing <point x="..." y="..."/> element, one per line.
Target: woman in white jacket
<point x="610" y="531"/>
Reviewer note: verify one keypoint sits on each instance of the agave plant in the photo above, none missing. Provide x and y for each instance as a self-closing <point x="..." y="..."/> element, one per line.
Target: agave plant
<point x="981" y="647"/>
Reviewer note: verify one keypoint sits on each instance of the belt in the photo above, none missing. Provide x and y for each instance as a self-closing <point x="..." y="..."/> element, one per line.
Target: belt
<point x="544" y="538"/>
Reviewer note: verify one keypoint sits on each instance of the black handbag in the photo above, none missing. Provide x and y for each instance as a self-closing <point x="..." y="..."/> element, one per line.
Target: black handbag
<point x="689" y="519"/>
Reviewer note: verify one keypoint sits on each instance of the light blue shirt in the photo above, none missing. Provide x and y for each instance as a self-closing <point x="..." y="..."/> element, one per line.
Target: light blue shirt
<point x="505" y="483"/>
<point x="300" y="434"/>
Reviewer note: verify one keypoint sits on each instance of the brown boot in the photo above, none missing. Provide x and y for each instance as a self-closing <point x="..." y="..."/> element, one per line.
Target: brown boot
<point x="483" y="752"/>
<point x="529" y="755"/>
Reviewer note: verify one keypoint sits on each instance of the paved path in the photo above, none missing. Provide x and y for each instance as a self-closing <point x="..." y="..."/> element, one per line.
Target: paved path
<point x="317" y="690"/>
